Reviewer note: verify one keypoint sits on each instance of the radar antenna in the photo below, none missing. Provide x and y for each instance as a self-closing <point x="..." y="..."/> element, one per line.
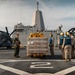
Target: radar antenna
<point x="37" y="5"/>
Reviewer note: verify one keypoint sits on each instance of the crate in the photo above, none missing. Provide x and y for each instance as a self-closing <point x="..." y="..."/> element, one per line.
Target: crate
<point x="37" y="46"/>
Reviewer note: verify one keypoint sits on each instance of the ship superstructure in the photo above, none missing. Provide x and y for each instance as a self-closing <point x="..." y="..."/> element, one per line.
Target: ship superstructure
<point x="37" y="25"/>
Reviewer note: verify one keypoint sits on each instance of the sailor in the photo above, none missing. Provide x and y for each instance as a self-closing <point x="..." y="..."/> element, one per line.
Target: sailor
<point x="60" y="42"/>
<point x="51" y="45"/>
<point x="73" y="43"/>
<point x="17" y="46"/>
<point x="67" y="46"/>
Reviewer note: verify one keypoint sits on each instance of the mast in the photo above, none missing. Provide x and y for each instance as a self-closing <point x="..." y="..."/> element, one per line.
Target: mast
<point x="37" y="5"/>
<point x="38" y="19"/>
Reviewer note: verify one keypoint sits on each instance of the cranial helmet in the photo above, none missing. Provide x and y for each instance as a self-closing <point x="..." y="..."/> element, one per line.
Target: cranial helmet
<point x="67" y="33"/>
<point x="62" y="34"/>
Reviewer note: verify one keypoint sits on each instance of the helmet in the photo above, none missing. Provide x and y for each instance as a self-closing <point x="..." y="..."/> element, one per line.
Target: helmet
<point x="41" y="35"/>
<point x="67" y="33"/>
<point x="31" y="34"/>
<point x="62" y="34"/>
<point x="51" y="34"/>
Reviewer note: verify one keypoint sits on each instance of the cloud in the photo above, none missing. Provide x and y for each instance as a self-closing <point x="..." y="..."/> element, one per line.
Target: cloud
<point x="68" y="19"/>
<point x="59" y="3"/>
<point x="21" y="3"/>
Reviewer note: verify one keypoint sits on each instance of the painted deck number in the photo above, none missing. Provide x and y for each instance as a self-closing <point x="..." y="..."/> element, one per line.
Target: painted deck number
<point x="41" y="65"/>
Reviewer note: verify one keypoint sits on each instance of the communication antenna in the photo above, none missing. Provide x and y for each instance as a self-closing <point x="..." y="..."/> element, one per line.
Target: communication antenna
<point x="37" y="5"/>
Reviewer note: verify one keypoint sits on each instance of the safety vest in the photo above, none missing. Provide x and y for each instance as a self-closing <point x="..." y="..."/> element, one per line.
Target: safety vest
<point x="61" y="40"/>
<point x="67" y="40"/>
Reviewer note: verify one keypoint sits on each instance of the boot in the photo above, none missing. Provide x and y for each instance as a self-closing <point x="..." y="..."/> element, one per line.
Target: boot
<point x="69" y="59"/>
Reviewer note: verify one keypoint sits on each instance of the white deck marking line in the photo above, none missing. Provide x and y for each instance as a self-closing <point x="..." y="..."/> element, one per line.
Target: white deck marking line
<point x="66" y="71"/>
<point x="16" y="60"/>
<point x="13" y="70"/>
<point x="35" y="60"/>
<point x="41" y="65"/>
<point x="43" y="74"/>
<point x="32" y="66"/>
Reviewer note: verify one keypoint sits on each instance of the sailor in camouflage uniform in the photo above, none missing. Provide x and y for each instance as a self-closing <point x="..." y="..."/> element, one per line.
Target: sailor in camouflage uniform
<point x="17" y="45"/>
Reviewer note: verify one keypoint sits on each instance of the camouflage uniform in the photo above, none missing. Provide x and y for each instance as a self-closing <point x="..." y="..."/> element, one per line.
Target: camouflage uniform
<point x="17" y="46"/>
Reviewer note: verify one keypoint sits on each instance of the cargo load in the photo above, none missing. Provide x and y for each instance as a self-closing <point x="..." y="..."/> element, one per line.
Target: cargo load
<point x="37" y="45"/>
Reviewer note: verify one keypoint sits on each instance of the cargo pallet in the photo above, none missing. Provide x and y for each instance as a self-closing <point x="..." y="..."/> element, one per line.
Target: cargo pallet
<point x="37" y="46"/>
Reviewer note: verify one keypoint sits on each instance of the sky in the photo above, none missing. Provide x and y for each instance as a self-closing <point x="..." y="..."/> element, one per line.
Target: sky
<point x="55" y="13"/>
